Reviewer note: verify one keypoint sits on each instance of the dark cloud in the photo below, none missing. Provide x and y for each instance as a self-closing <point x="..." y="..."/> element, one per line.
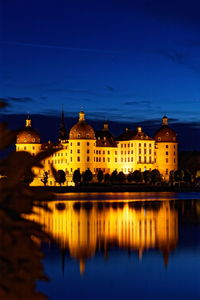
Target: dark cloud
<point x="138" y="102"/>
<point x="179" y="58"/>
<point x="109" y="88"/>
<point x="20" y="99"/>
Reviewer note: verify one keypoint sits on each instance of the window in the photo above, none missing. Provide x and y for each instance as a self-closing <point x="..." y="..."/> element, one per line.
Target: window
<point x="166" y="172"/>
<point x="125" y="145"/>
<point x="149" y="151"/>
<point x="174" y="160"/>
<point x="70" y="144"/>
<point x="78" y="143"/>
<point x="78" y="158"/>
<point x="167" y="146"/>
<point x="103" y="159"/>
<point x="108" y="159"/>
<point x="131" y="145"/>
<point x="103" y="152"/>
<point x="167" y="160"/>
<point x="131" y="151"/>
<point x="70" y="151"/>
<point x="99" y="159"/>
<point x="122" y="145"/>
<point x="145" y="151"/>
<point x="145" y="144"/>
<point x="70" y="158"/>
<point x="140" y="151"/>
<point x="88" y="151"/>
<point x="167" y="152"/>
<point x="108" y="152"/>
<point x="131" y="159"/>
<point x="88" y="159"/>
<point x="122" y="159"/>
<point x="115" y="152"/>
<point x="128" y="145"/>
<point x="121" y="152"/>
<point x="149" y="145"/>
<point x="33" y="148"/>
<point x="88" y="144"/>
<point x="139" y="158"/>
<point x="99" y="151"/>
<point x="115" y="159"/>
<point x="139" y="144"/>
<point x="78" y="150"/>
<point x="25" y="148"/>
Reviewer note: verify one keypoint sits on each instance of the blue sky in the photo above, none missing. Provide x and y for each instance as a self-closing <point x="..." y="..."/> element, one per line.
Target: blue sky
<point x="117" y="60"/>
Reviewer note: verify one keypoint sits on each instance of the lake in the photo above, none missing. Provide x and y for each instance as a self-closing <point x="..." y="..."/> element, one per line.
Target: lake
<point x="122" y="246"/>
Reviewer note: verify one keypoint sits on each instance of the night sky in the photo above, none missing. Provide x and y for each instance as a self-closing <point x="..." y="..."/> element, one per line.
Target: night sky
<point x="125" y="61"/>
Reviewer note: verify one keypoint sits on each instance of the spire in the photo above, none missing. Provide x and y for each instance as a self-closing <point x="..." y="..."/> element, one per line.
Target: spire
<point x="81" y="116"/>
<point x="28" y="121"/>
<point x="62" y="130"/>
<point x="165" y="121"/>
<point x="105" y="126"/>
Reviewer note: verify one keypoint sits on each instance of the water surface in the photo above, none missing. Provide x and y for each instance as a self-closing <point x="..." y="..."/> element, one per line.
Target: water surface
<point x="122" y="245"/>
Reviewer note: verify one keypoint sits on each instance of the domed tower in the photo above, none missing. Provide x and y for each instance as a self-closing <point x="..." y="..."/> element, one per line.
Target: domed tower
<point x="166" y="149"/>
<point x="28" y="139"/>
<point x="81" y="146"/>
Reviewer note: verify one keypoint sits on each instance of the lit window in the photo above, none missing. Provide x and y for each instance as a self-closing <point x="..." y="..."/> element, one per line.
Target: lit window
<point x="70" y="151"/>
<point x="167" y="160"/>
<point x="108" y="152"/>
<point x="115" y="159"/>
<point x="108" y="159"/>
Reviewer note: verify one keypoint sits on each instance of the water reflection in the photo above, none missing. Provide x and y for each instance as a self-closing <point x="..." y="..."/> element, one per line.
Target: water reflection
<point x="84" y="228"/>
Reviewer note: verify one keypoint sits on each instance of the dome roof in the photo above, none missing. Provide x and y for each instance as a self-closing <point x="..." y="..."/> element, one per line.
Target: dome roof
<point x="82" y="130"/>
<point x="165" y="133"/>
<point x="28" y="135"/>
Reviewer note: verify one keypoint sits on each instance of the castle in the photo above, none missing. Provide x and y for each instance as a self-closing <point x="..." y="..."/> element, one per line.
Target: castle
<point x="85" y="149"/>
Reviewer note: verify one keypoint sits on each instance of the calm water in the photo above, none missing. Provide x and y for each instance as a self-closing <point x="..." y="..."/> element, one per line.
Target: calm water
<point x="122" y="246"/>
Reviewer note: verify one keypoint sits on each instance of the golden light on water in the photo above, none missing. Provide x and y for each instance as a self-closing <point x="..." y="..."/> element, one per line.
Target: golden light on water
<point x="83" y="228"/>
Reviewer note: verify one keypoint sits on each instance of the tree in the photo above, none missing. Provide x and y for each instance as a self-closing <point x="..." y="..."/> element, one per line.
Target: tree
<point x="121" y="177"/>
<point x="187" y="176"/>
<point x="107" y="178"/>
<point x="76" y="177"/>
<point x="100" y="176"/>
<point x="114" y="177"/>
<point x="155" y="176"/>
<point x="87" y="176"/>
<point x="28" y="177"/>
<point x="45" y="178"/>
<point x="130" y="177"/>
<point x="147" y="176"/>
<point x="137" y="176"/>
<point x="178" y="175"/>
<point x="60" y="177"/>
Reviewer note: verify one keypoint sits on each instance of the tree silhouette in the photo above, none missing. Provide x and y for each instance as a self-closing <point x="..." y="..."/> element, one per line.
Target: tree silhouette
<point x="87" y="176"/>
<point x="114" y="177"/>
<point x="155" y="176"/>
<point x="45" y="178"/>
<point x="76" y="177"/>
<point x="100" y="176"/>
<point x="130" y="177"/>
<point x="137" y="175"/>
<point x="60" y="177"/>
<point x="107" y="178"/>
<point x="121" y="177"/>
<point x="147" y="176"/>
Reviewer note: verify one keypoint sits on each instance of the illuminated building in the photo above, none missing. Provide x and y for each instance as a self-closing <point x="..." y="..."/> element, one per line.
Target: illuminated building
<point x="86" y="228"/>
<point x="85" y="149"/>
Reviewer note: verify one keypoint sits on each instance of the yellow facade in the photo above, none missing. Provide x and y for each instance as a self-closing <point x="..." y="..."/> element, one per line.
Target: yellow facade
<point x="85" y="149"/>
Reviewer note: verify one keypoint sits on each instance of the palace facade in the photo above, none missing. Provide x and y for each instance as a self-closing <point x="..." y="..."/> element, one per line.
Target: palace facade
<point x="84" y="148"/>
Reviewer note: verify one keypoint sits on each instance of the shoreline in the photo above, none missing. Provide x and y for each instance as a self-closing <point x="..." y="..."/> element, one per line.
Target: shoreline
<point x="115" y="189"/>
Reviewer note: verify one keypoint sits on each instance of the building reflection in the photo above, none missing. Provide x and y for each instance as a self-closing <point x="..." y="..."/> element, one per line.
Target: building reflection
<point x="83" y="228"/>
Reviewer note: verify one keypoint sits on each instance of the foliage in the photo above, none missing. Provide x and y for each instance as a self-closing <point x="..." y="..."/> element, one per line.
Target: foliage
<point x="155" y="176"/>
<point x="137" y="176"/>
<point x="77" y="177"/>
<point x="107" y="178"/>
<point x="121" y="177"/>
<point x="100" y="176"/>
<point x="20" y="255"/>
<point x="45" y="178"/>
<point x="130" y="177"/>
<point x="178" y="175"/>
<point x="60" y="177"/>
<point x="114" y="177"/>
<point x="147" y="176"/>
<point x="87" y="176"/>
